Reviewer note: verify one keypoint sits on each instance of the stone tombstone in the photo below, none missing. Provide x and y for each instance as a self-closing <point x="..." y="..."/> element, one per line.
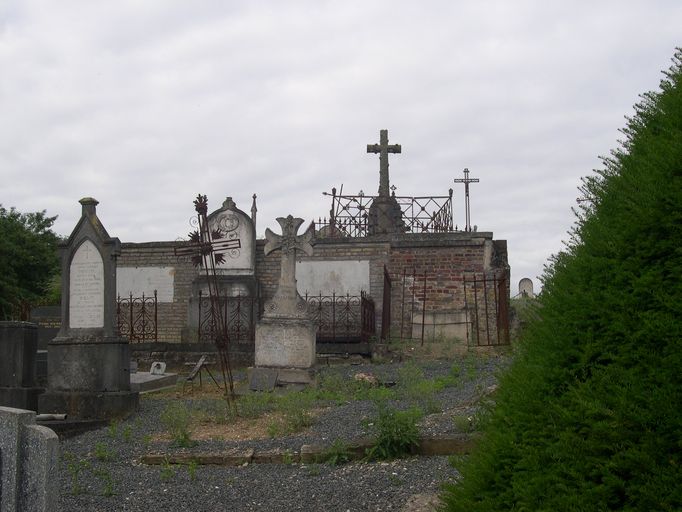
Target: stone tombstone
<point x="88" y="362"/>
<point x="285" y="336"/>
<point x="158" y="368"/>
<point x="526" y="288"/>
<point x="234" y="224"/>
<point x="18" y="356"/>
<point x="29" y="463"/>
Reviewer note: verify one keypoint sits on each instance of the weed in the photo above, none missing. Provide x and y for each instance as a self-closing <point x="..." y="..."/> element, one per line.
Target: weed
<point x="192" y="469"/>
<point x="107" y="480"/>
<point x="254" y="404"/>
<point x="288" y="457"/>
<point x="146" y="440"/>
<point x="314" y="470"/>
<point x="74" y="466"/>
<point x="112" y="430"/>
<point x="103" y="453"/>
<point x="127" y="433"/>
<point x="176" y="418"/>
<point x="397" y="432"/>
<point x="167" y="470"/>
<point x="337" y="454"/>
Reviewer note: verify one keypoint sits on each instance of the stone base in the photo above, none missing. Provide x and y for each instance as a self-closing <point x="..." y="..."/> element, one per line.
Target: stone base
<point x="266" y="379"/>
<point x="86" y="406"/>
<point x="20" y="398"/>
<point x="144" y="382"/>
<point x="285" y="343"/>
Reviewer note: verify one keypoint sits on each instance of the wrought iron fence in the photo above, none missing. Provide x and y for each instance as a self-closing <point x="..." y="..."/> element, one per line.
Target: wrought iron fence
<point x="342" y="318"/>
<point x="487" y="306"/>
<point x="136" y="317"/>
<point x="349" y="215"/>
<point x="239" y="313"/>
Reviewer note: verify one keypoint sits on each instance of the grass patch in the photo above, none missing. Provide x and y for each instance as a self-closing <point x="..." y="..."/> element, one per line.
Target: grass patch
<point x="397" y="432"/>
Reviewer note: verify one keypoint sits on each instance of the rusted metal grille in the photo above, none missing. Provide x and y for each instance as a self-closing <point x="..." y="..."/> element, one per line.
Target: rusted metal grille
<point x="342" y="318"/>
<point x="238" y="313"/>
<point x="136" y="317"/>
<point x="386" y="307"/>
<point x="487" y="306"/>
<point x="349" y="215"/>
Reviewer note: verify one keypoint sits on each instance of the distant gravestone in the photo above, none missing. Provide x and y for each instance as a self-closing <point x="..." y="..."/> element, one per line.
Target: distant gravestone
<point x="29" y="469"/>
<point x="526" y="288"/>
<point x="285" y="336"/>
<point x="88" y="362"/>
<point x="158" y="368"/>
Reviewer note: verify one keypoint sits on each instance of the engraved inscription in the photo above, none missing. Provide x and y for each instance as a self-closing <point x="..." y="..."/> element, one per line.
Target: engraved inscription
<point x="86" y="288"/>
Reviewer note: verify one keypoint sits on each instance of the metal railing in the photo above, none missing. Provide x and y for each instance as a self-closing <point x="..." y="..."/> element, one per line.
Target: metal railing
<point x="137" y="317"/>
<point x="239" y="313"/>
<point x="342" y="318"/>
<point x="349" y="215"/>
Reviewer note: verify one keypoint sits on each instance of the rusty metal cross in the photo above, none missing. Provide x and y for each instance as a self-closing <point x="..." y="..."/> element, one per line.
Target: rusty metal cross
<point x="383" y="148"/>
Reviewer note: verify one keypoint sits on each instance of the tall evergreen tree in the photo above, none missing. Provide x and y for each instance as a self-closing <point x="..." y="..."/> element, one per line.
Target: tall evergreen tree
<point x="28" y="259"/>
<point x="589" y="417"/>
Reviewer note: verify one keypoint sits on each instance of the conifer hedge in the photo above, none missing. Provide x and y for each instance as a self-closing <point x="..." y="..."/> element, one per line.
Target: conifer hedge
<point x="589" y="416"/>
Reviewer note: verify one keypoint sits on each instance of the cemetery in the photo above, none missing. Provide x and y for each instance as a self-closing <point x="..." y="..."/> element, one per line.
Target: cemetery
<point x="356" y="348"/>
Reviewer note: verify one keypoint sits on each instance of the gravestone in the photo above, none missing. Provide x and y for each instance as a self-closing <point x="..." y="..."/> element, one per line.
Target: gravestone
<point x="18" y="353"/>
<point x="526" y="288"/>
<point x="88" y="362"/>
<point x="29" y="456"/>
<point x="285" y="336"/>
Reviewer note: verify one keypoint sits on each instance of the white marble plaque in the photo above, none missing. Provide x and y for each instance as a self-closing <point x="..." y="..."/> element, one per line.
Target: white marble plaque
<point x="340" y="277"/>
<point x="139" y="280"/>
<point x="234" y="226"/>
<point x="86" y="288"/>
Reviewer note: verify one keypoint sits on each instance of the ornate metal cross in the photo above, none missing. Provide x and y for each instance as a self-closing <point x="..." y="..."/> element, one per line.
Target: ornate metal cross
<point x="383" y="148"/>
<point x="466" y="180"/>
<point x="289" y="243"/>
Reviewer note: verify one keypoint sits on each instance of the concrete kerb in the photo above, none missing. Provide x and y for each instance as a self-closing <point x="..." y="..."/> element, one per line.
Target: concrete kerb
<point x="427" y="446"/>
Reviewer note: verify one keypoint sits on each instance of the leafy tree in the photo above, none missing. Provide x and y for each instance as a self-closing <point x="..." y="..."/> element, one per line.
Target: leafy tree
<point x="29" y="264"/>
<point x="589" y="417"/>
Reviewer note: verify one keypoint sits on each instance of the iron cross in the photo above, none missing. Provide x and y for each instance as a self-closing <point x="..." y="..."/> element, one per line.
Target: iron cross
<point x="383" y="148"/>
<point x="466" y="180"/>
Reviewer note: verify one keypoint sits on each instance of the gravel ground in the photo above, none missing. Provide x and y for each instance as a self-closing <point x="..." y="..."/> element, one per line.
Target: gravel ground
<point x="358" y="486"/>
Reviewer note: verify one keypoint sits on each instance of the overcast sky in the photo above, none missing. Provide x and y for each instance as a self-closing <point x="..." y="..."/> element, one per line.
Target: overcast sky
<point x="144" y="104"/>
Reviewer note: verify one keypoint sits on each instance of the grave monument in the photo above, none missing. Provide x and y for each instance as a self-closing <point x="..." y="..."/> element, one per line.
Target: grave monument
<point x="88" y="362"/>
<point x="385" y="214"/>
<point x="285" y="336"/>
<point x="18" y="351"/>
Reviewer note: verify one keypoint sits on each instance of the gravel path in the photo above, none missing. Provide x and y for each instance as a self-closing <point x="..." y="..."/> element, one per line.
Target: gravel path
<point x="405" y="484"/>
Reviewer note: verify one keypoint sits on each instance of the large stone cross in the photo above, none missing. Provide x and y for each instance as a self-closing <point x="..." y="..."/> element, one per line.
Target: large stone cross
<point x="383" y="148"/>
<point x="289" y="243"/>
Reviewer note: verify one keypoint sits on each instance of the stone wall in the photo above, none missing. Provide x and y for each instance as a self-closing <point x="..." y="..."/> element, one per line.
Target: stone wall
<point x="445" y="257"/>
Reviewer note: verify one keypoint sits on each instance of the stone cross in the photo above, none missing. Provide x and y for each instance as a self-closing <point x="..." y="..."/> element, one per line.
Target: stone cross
<point x="289" y="243"/>
<point x="383" y="148"/>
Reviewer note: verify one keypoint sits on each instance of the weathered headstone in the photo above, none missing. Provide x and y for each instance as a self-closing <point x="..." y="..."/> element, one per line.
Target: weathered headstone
<point x="18" y="351"/>
<point x="29" y="455"/>
<point x="526" y="288"/>
<point x="285" y="336"/>
<point x="158" y="368"/>
<point x="88" y="362"/>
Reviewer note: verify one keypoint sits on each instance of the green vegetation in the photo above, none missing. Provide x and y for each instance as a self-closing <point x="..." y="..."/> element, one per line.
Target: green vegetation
<point x="75" y="466"/>
<point x="338" y="453"/>
<point x="589" y="417"/>
<point x="103" y="453"/>
<point x="167" y="470"/>
<point x="397" y="432"/>
<point x="107" y="482"/>
<point x="29" y="267"/>
<point x="176" y="418"/>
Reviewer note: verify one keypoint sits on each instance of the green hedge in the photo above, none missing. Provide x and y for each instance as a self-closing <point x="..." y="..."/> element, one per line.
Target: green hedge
<point x="589" y="417"/>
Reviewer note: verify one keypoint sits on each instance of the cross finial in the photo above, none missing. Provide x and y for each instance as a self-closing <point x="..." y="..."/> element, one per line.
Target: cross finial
<point x="466" y="180"/>
<point x="383" y="148"/>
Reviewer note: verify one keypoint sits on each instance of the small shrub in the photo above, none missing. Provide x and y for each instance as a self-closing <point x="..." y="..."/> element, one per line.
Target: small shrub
<point x="288" y="457"/>
<point x="176" y="419"/>
<point x="192" y="469"/>
<point x="107" y="480"/>
<point x="112" y="430"/>
<point x="167" y="470"/>
<point x="127" y="433"/>
<point x="397" y="432"/>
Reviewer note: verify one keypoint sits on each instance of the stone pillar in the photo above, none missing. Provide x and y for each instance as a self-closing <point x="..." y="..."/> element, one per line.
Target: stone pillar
<point x="29" y="456"/>
<point x="18" y="347"/>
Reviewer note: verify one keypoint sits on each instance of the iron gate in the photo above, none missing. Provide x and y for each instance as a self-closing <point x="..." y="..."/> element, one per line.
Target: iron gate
<point x="342" y="318"/>
<point x="487" y="306"/>
<point x="239" y="313"/>
<point x="136" y="317"/>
